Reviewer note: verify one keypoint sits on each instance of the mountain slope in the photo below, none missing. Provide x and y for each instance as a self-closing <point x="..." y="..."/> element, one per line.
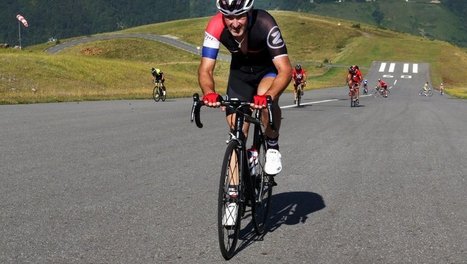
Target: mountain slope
<point x="118" y="69"/>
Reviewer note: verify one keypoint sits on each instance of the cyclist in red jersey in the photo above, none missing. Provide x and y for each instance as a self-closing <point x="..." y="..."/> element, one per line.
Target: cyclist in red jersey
<point x="260" y="65"/>
<point x="299" y="77"/>
<point x="383" y="85"/>
<point x="354" y="78"/>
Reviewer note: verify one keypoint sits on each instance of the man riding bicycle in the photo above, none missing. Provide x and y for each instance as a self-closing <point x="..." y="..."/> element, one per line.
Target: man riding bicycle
<point x="383" y="85"/>
<point x="365" y="86"/>
<point x="354" y="78"/>
<point x="159" y="77"/>
<point x="299" y="77"/>
<point x="260" y="65"/>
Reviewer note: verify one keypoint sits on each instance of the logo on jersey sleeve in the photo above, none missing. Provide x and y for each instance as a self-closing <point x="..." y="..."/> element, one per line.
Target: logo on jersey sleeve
<point x="275" y="40"/>
<point x="210" y="41"/>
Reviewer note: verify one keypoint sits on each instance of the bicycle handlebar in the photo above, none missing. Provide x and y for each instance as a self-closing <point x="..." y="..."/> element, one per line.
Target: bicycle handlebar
<point x="197" y="104"/>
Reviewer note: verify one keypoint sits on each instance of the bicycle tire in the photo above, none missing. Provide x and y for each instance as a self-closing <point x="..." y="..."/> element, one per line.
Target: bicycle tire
<point x="164" y="95"/>
<point x="155" y="94"/>
<point x="228" y="236"/>
<point x="263" y="184"/>
<point x="299" y="95"/>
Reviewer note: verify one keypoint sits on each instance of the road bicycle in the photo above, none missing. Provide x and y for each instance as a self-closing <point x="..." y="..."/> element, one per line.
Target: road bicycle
<point x="353" y="96"/>
<point x="427" y="92"/>
<point x="254" y="185"/>
<point x="159" y="91"/>
<point x="299" y="94"/>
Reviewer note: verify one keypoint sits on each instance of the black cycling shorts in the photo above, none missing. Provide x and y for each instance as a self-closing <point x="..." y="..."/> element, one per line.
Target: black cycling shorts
<point x="243" y="83"/>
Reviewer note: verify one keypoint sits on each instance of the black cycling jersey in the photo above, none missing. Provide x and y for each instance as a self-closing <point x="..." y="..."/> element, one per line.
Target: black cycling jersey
<point x="264" y="43"/>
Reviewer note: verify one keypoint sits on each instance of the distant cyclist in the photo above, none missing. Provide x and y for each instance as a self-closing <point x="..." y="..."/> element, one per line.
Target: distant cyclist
<point x="354" y="78"/>
<point x="441" y="88"/>
<point x="383" y="85"/>
<point x="158" y="76"/>
<point x="365" y="86"/>
<point x="299" y="77"/>
<point x="425" y="87"/>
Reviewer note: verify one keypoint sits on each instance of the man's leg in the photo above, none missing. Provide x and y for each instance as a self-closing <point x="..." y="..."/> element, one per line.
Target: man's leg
<point x="295" y="92"/>
<point x="273" y="157"/>
<point x="357" y="91"/>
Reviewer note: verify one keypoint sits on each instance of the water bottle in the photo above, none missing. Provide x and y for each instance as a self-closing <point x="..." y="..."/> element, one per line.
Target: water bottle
<point x="252" y="160"/>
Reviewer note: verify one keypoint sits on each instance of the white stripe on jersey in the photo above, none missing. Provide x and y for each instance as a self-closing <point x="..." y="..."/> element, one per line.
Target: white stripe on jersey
<point x="210" y="41"/>
<point x="278" y="56"/>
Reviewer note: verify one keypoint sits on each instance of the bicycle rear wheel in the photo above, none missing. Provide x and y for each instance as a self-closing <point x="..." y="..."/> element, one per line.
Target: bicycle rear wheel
<point x="155" y="94"/>
<point x="228" y="217"/>
<point x="263" y="184"/>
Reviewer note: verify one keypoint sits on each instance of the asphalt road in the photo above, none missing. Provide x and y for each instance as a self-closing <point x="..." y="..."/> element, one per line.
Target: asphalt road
<point x="135" y="181"/>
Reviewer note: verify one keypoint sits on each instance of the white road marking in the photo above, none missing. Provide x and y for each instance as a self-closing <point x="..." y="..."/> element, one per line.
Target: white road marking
<point x="309" y="103"/>
<point x="388" y="76"/>
<point x="391" y="67"/>
<point x="415" y="68"/>
<point x="406" y="76"/>
<point x="406" y="68"/>
<point x="382" y="67"/>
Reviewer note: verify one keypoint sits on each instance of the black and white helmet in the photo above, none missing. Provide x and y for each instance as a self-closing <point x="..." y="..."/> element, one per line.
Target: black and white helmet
<point x="234" y="7"/>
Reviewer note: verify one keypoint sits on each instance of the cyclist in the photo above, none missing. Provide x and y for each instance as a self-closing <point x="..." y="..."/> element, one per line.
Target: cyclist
<point x="365" y="86"/>
<point x="441" y="88"/>
<point x="260" y="65"/>
<point x="299" y="77"/>
<point x="383" y="85"/>
<point x="354" y="78"/>
<point x="158" y="76"/>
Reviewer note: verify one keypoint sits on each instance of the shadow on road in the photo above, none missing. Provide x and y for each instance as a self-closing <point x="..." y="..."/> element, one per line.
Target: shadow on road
<point x="289" y="208"/>
<point x="293" y="208"/>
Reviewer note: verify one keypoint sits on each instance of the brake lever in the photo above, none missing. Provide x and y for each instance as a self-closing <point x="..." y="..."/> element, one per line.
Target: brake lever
<point x="195" y="110"/>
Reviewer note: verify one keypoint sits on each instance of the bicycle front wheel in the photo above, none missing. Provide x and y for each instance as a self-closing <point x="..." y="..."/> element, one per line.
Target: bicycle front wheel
<point x="263" y="184"/>
<point x="163" y="93"/>
<point x="299" y="95"/>
<point x="230" y="207"/>
<point x="155" y="94"/>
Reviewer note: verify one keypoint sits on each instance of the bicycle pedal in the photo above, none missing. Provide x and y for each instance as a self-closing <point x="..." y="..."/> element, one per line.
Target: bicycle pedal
<point x="273" y="182"/>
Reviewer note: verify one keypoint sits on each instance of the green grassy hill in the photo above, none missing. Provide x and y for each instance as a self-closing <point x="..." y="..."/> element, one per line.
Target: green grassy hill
<point x="120" y="69"/>
<point x="437" y="20"/>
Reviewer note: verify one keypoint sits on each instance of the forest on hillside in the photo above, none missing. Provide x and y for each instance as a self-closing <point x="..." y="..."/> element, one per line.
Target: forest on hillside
<point x="68" y="18"/>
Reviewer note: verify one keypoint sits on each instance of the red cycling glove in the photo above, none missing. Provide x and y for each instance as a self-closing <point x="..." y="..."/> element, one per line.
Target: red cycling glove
<point x="212" y="98"/>
<point x="260" y="100"/>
